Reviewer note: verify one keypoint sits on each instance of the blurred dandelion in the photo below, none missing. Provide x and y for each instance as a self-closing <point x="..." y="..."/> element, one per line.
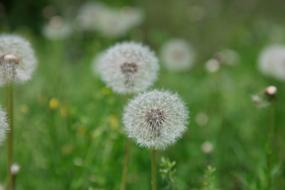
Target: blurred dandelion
<point x="272" y="61"/>
<point x="57" y="29"/>
<point x="212" y="65"/>
<point x="3" y="125"/>
<point x="202" y="119"/>
<point x="177" y="55"/>
<point x="155" y="120"/>
<point x="207" y="147"/>
<point x="17" y="63"/>
<point x="128" y="67"/>
<point x="17" y="59"/>
<point x="110" y="22"/>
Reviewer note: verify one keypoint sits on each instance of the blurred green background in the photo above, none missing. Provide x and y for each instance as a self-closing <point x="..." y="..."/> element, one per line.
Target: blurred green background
<point x="68" y="124"/>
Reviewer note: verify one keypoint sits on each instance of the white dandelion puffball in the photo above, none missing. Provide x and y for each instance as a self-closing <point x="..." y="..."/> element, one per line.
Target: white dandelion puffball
<point x="272" y="62"/>
<point x="57" y="29"/>
<point x="90" y="14"/>
<point x="3" y="125"/>
<point x="111" y="22"/>
<point x="177" y="55"/>
<point x="128" y="67"/>
<point x="155" y="119"/>
<point x="17" y="59"/>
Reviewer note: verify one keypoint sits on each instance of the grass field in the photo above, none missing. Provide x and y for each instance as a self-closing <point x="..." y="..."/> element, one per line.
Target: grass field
<point x="68" y="124"/>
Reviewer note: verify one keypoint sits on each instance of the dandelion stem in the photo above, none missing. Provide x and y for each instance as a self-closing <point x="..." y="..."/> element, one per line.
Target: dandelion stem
<point x="124" y="179"/>
<point x="153" y="170"/>
<point x="10" y="139"/>
<point x="270" y="146"/>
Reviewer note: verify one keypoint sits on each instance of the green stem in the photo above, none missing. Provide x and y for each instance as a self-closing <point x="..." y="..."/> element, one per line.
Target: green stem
<point x="10" y="135"/>
<point x="270" y="146"/>
<point x="153" y="170"/>
<point x="124" y="179"/>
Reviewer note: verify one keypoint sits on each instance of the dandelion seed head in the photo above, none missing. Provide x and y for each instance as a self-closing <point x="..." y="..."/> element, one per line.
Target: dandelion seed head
<point x="15" y="168"/>
<point x="57" y="29"/>
<point x="128" y="67"/>
<point x="207" y="147"/>
<point x="110" y="22"/>
<point x="177" y="55"/>
<point x="3" y="125"/>
<point x="155" y="119"/>
<point x="17" y="59"/>
<point x="212" y="65"/>
<point x="272" y="62"/>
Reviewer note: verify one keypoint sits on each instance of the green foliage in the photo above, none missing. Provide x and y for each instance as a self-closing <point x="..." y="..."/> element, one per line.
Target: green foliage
<point x="210" y="181"/>
<point x="167" y="172"/>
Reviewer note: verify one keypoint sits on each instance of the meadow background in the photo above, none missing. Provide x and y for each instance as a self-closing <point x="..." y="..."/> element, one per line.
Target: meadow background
<point x="68" y="124"/>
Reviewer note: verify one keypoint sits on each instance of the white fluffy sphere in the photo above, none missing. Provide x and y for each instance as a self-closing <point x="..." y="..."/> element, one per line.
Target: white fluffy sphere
<point x="111" y="22"/>
<point x="272" y="62"/>
<point x="19" y="49"/>
<point x="57" y="29"/>
<point x="155" y="119"/>
<point x="128" y="67"/>
<point x="177" y="55"/>
<point x="3" y="125"/>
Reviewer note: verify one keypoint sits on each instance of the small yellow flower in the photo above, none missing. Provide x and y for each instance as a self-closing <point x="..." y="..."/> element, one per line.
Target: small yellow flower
<point x="53" y="104"/>
<point x="81" y="130"/>
<point x="63" y="111"/>
<point x="113" y="122"/>
<point x="24" y="108"/>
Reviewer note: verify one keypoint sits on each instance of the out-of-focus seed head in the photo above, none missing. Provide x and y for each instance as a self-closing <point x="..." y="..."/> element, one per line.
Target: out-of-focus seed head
<point x="207" y="147"/>
<point x="272" y="62"/>
<point x="57" y="29"/>
<point x="128" y="67"/>
<point x="212" y="65"/>
<point x="155" y="119"/>
<point x="15" y="168"/>
<point x="17" y="59"/>
<point x="177" y="55"/>
<point x="110" y="22"/>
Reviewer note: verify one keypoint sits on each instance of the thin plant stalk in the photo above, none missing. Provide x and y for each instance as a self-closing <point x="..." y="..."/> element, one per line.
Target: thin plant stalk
<point x="10" y="135"/>
<point x="124" y="179"/>
<point x="153" y="169"/>
<point x="270" y="145"/>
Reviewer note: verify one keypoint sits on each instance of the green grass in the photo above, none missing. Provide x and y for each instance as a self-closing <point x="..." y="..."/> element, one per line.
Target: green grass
<point x="79" y="144"/>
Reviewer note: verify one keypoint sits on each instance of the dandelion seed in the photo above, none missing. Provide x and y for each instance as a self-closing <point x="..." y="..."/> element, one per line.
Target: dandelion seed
<point x="57" y="29"/>
<point x="272" y="62"/>
<point x="3" y="125"/>
<point x="17" y="59"/>
<point x="177" y="55"/>
<point x="128" y="67"/>
<point x="155" y="119"/>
